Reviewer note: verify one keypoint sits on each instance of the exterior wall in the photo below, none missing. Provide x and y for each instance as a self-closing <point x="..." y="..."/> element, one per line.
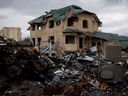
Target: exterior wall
<point x="4" y="32"/>
<point x="12" y="32"/>
<point x="92" y="24"/>
<point x="45" y="32"/>
<point x="36" y="34"/>
<point x="113" y="52"/>
<point x="101" y="47"/>
<point x="106" y="44"/>
<point x="56" y="31"/>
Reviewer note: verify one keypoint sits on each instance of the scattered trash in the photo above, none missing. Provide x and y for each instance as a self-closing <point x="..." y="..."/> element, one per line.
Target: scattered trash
<point x="26" y="72"/>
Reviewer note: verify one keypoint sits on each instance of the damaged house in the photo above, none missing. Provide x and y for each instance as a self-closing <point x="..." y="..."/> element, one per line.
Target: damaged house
<point x="70" y="29"/>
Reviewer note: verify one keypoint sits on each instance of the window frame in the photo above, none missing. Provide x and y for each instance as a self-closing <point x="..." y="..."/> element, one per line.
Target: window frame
<point x="39" y="40"/>
<point x="52" y="38"/>
<point x="70" y="39"/>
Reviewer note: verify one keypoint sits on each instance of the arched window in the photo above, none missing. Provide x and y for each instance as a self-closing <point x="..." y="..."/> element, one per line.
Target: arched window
<point x="51" y="23"/>
<point x="85" y="24"/>
<point x="71" y="20"/>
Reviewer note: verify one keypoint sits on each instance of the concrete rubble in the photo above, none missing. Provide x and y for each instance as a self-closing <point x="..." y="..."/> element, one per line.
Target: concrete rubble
<point x="25" y="72"/>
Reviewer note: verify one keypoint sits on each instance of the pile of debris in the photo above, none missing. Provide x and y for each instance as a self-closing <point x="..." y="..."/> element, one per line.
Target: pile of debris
<point x="26" y="72"/>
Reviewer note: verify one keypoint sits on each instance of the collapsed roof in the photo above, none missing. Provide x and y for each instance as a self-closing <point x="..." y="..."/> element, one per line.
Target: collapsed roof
<point x="60" y="14"/>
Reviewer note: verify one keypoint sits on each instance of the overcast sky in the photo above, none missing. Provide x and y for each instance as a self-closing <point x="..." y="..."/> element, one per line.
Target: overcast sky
<point x="17" y="13"/>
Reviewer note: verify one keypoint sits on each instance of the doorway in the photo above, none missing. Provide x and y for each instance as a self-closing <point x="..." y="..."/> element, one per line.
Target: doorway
<point x="80" y="43"/>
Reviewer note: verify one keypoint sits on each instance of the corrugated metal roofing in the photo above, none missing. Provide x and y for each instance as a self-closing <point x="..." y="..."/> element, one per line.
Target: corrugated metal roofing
<point x="106" y="36"/>
<point x="112" y="37"/>
<point x="125" y="38"/>
<point x="37" y="20"/>
<point x="124" y="45"/>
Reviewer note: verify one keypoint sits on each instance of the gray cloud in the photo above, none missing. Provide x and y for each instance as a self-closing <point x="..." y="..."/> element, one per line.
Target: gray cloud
<point x="115" y="17"/>
<point x="3" y="17"/>
<point x="116" y="1"/>
<point x="32" y="7"/>
<point x="6" y="3"/>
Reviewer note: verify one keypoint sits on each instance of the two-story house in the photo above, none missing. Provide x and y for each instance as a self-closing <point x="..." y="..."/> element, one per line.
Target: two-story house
<point x="69" y="28"/>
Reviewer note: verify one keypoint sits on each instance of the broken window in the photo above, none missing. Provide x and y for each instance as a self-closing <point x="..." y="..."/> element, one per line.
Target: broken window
<point x="58" y="23"/>
<point x="39" y="40"/>
<point x="51" y="38"/>
<point x="70" y="39"/>
<point x="39" y="27"/>
<point x="33" y="40"/>
<point x="33" y="27"/>
<point x="51" y="23"/>
<point x="85" y="24"/>
<point x="71" y="20"/>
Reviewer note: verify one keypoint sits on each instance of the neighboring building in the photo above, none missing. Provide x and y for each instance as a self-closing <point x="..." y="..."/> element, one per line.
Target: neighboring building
<point x="68" y="27"/>
<point x="11" y="33"/>
<point x="105" y="39"/>
<point x="123" y="42"/>
<point x="109" y="45"/>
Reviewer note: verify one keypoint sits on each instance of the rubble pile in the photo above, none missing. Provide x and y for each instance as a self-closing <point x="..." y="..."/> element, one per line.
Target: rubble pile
<point x="26" y="72"/>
